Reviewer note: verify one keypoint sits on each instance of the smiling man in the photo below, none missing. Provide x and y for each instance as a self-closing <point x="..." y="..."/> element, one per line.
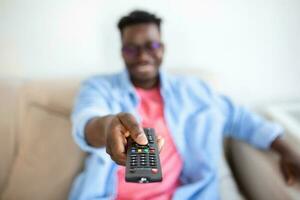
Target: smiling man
<point x="190" y="119"/>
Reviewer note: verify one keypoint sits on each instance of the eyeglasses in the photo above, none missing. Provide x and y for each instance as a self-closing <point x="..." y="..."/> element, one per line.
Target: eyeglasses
<point x="134" y="50"/>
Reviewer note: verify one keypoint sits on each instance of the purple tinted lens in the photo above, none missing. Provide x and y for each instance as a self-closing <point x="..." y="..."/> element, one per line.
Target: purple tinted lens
<point x="155" y="45"/>
<point x="130" y="50"/>
<point x="133" y="50"/>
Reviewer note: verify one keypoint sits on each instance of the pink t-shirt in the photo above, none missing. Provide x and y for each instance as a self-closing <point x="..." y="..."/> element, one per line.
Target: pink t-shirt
<point x="151" y="109"/>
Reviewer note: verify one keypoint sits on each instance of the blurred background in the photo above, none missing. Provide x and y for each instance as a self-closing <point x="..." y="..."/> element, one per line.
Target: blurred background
<point x="252" y="47"/>
<point x="249" y="48"/>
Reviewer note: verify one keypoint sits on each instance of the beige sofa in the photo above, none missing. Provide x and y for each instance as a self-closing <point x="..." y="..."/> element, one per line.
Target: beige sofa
<point x="39" y="159"/>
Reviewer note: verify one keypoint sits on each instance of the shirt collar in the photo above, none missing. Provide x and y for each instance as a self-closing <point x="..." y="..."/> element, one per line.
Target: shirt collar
<point x="128" y="88"/>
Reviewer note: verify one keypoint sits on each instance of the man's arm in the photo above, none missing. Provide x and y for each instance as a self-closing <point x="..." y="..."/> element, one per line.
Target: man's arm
<point x="247" y="126"/>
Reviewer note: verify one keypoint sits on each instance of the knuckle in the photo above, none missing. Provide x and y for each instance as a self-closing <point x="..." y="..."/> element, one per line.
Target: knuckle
<point x="125" y="115"/>
<point x="134" y="126"/>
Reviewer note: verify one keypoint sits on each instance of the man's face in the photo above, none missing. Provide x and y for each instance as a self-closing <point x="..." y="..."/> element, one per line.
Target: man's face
<point x="142" y="51"/>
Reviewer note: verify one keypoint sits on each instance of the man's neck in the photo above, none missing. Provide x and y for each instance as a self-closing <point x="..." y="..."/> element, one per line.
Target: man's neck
<point x="149" y="84"/>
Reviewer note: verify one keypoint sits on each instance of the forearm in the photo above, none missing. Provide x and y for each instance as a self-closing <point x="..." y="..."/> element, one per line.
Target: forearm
<point x="95" y="131"/>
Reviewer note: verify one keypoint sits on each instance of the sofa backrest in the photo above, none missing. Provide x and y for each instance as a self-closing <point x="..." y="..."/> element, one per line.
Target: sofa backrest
<point x="46" y="159"/>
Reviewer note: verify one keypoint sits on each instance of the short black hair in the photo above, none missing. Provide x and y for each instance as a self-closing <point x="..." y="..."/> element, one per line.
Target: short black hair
<point x="138" y="17"/>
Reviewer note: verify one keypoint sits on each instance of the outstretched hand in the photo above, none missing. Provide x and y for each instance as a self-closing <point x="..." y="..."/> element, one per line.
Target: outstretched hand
<point x="289" y="161"/>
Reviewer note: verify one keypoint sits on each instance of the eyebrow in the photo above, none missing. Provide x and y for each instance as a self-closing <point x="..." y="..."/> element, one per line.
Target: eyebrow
<point x="147" y="42"/>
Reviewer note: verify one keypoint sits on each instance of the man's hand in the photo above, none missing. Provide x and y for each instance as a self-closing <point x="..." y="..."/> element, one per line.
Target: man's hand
<point x="289" y="161"/>
<point x="120" y="127"/>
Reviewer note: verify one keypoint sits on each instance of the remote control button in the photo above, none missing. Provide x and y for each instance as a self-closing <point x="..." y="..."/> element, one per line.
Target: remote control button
<point x="152" y="151"/>
<point x="133" y="150"/>
<point x="146" y="150"/>
<point x="154" y="171"/>
<point x="131" y="170"/>
<point x="139" y="150"/>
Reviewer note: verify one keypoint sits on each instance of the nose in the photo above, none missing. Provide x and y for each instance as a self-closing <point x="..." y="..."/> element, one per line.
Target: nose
<point x="143" y="55"/>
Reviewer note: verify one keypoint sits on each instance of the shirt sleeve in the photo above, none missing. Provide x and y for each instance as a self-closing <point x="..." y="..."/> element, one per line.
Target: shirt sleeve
<point x="91" y="101"/>
<point x="242" y="124"/>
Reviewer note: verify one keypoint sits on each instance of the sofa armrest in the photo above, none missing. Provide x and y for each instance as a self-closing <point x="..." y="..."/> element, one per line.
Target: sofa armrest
<point x="10" y="91"/>
<point x="258" y="174"/>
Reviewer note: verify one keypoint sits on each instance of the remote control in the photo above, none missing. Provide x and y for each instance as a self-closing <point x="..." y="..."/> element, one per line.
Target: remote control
<point x="143" y="164"/>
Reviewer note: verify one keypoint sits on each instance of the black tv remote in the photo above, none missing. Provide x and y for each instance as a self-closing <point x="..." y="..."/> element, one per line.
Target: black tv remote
<point x="143" y="164"/>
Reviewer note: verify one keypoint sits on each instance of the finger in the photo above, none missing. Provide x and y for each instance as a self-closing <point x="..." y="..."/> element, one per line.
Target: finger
<point x="136" y="131"/>
<point x="127" y="133"/>
<point x="121" y="162"/>
<point x="287" y="174"/>
<point x="118" y="150"/>
<point x="115" y="130"/>
<point x="160" y="143"/>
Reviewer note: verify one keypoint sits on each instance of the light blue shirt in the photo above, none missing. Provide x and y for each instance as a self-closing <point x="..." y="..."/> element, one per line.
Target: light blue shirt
<point x="197" y="118"/>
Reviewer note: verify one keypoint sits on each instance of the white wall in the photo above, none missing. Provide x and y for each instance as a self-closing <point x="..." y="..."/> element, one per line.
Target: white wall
<point x="253" y="46"/>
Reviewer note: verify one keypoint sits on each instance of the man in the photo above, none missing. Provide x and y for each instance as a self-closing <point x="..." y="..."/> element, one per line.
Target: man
<point x="187" y="115"/>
